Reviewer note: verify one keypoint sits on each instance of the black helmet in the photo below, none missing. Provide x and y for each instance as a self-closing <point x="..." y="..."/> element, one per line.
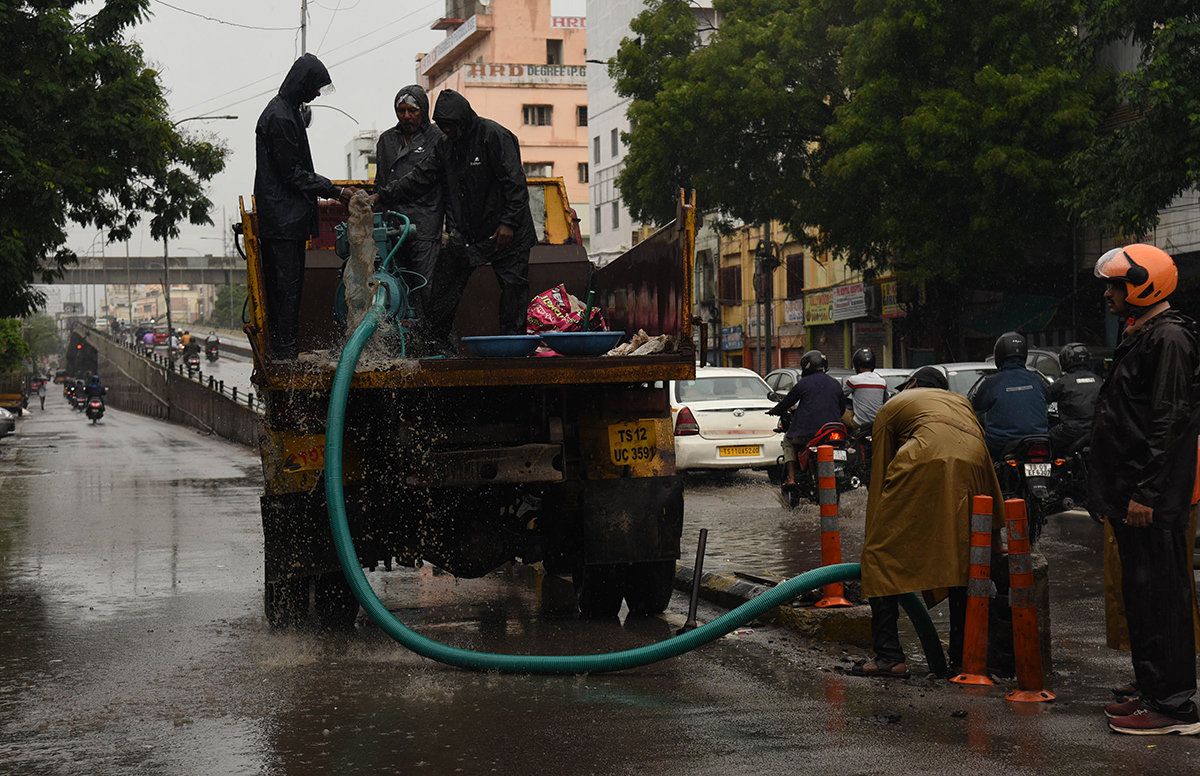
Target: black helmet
<point x="1072" y="355"/>
<point x="813" y="361"/>
<point x="863" y="359"/>
<point x="1010" y="345"/>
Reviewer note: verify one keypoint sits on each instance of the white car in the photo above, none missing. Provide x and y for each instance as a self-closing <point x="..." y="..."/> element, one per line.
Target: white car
<point x="721" y="421"/>
<point x="8" y="423"/>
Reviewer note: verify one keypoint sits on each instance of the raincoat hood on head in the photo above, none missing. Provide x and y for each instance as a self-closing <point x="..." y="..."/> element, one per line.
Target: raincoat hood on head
<point x="307" y="75"/>
<point x="422" y="99"/>
<point x="453" y="108"/>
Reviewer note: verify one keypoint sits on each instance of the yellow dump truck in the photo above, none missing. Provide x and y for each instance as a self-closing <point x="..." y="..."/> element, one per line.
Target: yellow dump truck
<point x="469" y="463"/>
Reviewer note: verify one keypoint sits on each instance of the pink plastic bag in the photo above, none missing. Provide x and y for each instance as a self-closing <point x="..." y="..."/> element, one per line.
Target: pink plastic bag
<point x="556" y="310"/>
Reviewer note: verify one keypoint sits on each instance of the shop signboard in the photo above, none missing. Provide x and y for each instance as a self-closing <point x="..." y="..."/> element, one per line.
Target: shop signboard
<point x="891" y="302"/>
<point x="731" y="338"/>
<point x="818" y="308"/>
<point x="849" y="301"/>
<point x="870" y="335"/>
<point x="793" y="311"/>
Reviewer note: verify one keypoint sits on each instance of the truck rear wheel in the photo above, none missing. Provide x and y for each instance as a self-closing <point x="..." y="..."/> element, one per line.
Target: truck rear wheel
<point x="599" y="589"/>
<point x="334" y="604"/>
<point x="286" y="602"/>
<point x="648" y="586"/>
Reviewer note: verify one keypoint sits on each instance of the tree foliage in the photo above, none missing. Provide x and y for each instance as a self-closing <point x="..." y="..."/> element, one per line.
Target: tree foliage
<point x="41" y="333"/>
<point x="13" y="348"/>
<point x="227" y="309"/>
<point x="84" y="139"/>
<point x="927" y="134"/>
<point x="1148" y="151"/>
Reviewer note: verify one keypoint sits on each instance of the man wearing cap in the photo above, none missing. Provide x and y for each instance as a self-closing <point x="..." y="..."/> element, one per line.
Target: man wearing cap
<point x="930" y="461"/>
<point x="400" y="149"/>
<point x="1141" y="477"/>
<point x="285" y="195"/>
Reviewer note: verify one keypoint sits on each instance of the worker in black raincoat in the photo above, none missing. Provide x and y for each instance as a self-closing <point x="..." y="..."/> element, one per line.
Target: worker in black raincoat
<point x="285" y="195"/>
<point x="1141" y="476"/>
<point x="399" y="151"/>
<point x="478" y="166"/>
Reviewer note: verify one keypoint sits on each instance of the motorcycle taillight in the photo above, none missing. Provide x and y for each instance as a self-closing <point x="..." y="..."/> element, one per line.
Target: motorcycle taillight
<point x="836" y="436"/>
<point x="685" y="423"/>
<point x="1039" y="451"/>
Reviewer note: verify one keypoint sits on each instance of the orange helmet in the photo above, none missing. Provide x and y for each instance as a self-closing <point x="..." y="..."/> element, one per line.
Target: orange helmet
<point x="1149" y="273"/>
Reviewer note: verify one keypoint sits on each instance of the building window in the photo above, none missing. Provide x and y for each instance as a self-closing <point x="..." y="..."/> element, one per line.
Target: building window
<point x="616" y="143"/>
<point x="729" y="286"/>
<point x="537" y="115"/>
<point x="538" y="169"/>
<point x="581" y="115"/>
<point x="795" y="276"/>
<point x="596" y="150"/>
<point x="596" y="226"/>
<point x="554" y="52"/>
<point x="583" y="172"/>
<point x="616" y="214"/>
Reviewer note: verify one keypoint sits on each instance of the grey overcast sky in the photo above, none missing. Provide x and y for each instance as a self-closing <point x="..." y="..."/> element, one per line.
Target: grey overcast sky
<point x="232" y="62"/>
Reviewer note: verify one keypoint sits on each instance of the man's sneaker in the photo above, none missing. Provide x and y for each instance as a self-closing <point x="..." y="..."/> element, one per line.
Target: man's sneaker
<point x="1114" y="710"/>
<point x="1145" y="722"/>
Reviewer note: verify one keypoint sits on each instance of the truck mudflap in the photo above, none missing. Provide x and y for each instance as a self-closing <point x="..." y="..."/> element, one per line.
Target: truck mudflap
<point x="632" y="520"/>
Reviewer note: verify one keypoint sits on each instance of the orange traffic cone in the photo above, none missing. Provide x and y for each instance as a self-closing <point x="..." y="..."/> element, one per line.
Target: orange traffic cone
<point x="979" y="590"/>
<point x="831" y="540"/>
<point x="1026" y="642"/>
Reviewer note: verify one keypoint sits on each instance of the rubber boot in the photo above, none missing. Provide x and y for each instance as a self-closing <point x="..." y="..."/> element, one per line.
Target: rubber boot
<point x="789" y="477"/>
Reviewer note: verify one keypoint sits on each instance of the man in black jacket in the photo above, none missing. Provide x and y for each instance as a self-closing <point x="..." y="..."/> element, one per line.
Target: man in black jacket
<point x="1075" y="394"/>
<point x="478" y="166"/>
<point x="1141" y="476"/>
<point x="285" y="194"/>
<point x="400" y="150"/>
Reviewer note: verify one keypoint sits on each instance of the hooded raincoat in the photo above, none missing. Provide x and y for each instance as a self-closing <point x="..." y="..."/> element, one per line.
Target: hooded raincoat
<point x="395" y="159"/>
<point x="285" y="186"/>
<point x="929" y="461"/>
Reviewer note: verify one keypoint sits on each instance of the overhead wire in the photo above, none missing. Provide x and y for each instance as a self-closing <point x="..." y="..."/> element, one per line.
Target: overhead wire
<point x="279" y="74"/>
<point x="332" y="16"/>
<point x="222" y="21"/>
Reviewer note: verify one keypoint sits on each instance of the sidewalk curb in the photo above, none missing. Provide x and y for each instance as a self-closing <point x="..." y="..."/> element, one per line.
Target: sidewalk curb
<point x="850" y="625"/>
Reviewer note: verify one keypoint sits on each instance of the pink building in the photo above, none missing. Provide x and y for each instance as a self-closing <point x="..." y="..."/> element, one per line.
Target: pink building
<point x="524" y="69"/>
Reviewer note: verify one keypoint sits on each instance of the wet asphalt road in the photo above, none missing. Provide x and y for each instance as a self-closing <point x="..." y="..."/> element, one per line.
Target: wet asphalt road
<point x="132" y="642"/>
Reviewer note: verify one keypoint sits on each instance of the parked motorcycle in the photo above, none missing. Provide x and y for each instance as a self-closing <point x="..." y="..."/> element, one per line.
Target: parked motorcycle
<point x="95" y="409"/>
<point x="1026" y="471"/>
<point x="806" y="487"/>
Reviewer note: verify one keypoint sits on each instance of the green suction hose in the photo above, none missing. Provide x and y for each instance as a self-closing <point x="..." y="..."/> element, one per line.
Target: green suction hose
<point x="549" y="664"/>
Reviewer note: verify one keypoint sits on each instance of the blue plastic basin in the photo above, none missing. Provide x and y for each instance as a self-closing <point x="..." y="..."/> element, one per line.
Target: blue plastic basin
<point x="505" y="346"/>
<point x="582" y="343"/>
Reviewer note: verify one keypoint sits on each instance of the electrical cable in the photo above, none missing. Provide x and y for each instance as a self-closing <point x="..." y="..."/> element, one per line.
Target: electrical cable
<point x="222" y="21"/>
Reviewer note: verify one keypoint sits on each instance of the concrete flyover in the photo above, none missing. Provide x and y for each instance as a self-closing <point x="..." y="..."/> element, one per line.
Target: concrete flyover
<point x="146" y="385"/>
<point x="121" y="270"/>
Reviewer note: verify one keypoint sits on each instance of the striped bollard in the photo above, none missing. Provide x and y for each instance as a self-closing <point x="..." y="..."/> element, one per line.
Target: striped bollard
<point x="831" y="540"/>
<point x="1026" y="642"/>
<point x="979" y="590"/>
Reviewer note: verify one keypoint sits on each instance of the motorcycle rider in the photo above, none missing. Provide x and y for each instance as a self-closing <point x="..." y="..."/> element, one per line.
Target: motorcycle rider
<point x="1075" y="391"/>
<point x="866" y="389"/>
<point x="1014" y="398"/>
<point x="95" y="389"/>
<point x="818" y="399"/>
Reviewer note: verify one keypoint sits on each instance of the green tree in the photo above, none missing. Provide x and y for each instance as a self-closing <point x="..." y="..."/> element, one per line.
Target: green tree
<point x="13" y="348"/>
<point x="227" y="309"/>
<point x="84" y="139"/>
<point x="1149" y="152"/>
<point x="920" y="133"/>
<point x="41" y="334"/>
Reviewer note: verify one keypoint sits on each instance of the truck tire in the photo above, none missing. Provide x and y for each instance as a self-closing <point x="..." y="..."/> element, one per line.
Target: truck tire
<point x="648" y="586"/>
<point x="286" y="602"/>
<point x="334" y="605"/>
<point x="599" y="589"/>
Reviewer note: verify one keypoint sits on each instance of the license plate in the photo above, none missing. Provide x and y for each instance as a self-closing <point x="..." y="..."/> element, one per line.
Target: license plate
<point x="726" y="452"/>
<point x="1037" y="470"/>
<point x="631" y="442"/>
<point x="838" y="455"/>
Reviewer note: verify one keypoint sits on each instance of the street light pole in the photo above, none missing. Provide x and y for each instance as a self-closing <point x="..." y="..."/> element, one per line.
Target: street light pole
<point x="167" y="293"/>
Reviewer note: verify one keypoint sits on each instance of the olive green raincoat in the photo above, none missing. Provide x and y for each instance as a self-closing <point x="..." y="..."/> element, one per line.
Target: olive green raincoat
<point x="929" y="461"/>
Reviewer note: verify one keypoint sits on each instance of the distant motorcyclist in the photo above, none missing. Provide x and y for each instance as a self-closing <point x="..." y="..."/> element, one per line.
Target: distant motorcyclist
<point x="866" y="389"/>
<point x="818" y="400"/>
<point x="1014" y="398"/>
<point x="1075" y="391"/>
<point x="95" y="389"/>
<point x="191" y="347"/>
